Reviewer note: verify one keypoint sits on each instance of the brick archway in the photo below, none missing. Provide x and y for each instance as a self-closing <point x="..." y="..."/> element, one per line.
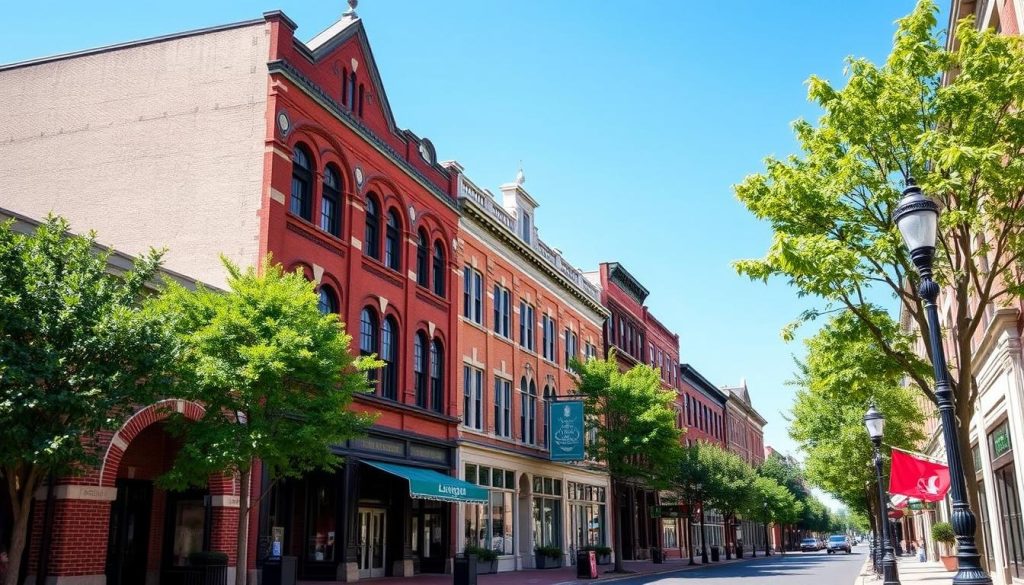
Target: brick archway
<point x="136" y="424"/>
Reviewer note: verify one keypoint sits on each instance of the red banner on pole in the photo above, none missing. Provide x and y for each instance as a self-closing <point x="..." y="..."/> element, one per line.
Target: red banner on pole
<point x="918" y="478"/>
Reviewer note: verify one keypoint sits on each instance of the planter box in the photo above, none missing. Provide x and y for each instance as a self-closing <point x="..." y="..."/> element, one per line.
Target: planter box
<point x="604" y="559"/>
<point x="546" y="562"/>
<point x="949" y="562"/>
<point x="486" y="567"/>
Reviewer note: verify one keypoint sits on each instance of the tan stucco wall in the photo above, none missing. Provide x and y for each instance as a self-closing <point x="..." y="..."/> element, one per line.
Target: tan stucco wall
<point x="156" y="145"/>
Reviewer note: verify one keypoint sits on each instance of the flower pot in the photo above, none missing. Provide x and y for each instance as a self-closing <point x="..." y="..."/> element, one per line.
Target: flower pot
<point x="949" y="562"/>
<point x="605" y="559"/>
<point x="486" y="567"/>
<point x="546" y="562"/>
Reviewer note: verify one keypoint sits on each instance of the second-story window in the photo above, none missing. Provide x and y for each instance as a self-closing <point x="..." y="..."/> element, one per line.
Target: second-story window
<point x="436" y="376"/>
<point x="528" y="411"/>
<point x="368" y="333"/>
<point x="472" y="295"/>
<point x="502" y="311"/>
<point x="328" y="302"/>
<point x="527" y="320"/>
<point x="389" y="354"/>
<point x="545" y="409"/>
<point x="330" y="202"/>
<point x="472" y="398"/>
<point x="419" y="368"/>
<point x="371" y="247"/>
<point x="301" y="203"/>
<point x="422" y="259"/>
<point x="548" y="342"/>
<point x="393" y="242"/>
<point x="502" y="407"/>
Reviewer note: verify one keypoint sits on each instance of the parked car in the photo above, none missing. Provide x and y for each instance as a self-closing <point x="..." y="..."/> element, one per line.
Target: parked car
<point x="838" y="542"/>
<point x="809" y="545"/>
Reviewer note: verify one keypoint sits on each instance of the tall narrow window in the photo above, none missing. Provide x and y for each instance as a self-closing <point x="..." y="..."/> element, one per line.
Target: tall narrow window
<point x="371" y="247"/>
<point x="502" y="311"/>
<point x="472" y="398"/>
<point x="422" y="260"/>
<point x="419" y="368"/>
<point x="368" y="341"/>
<point x="328" y="300"/>
<point x="436" y="376"/>
<point x="302" y="183"/>
<point x="527" y="228"/>
<point x="545" y="409"/>
<point x="571" y="346"/>
<point x="472" y="295"/>
<point x="548" y="341"/>
<point x="352" y="90"/>
<point x="502" y="407"/>
<point x="527" y="319"/>
<point x="389" y="354"/>
<point x="344" y="86"/>
<point x="360" y="107"/>
<point x="393" y="242"/>
<point x="438" y="269"/>
<point x="330" y="208"/>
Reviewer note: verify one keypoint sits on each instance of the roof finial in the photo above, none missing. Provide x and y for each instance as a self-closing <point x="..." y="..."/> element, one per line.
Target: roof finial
<point x="520" y="176"/>
<point x="351" y="8"/>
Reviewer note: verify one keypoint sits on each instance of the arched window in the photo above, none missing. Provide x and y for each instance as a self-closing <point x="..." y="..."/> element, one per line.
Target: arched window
<point x="436" y="376"/>
<point x="328" y="300"/>
<point x="422" y="260"/>
<point x="419" y="368"/>
<point x="393" y="242"/>
<point x="549" y="395"/>
<point x="368" y="340"/>
<point x="371" y="247"/>
<point x="389" y="353"/>
<point x="438" y="268"/>
<point x="528" y="411"/>
<point x="302" y="183"/>
<point x="352" y="90"/>
<point x="330" y="202"/>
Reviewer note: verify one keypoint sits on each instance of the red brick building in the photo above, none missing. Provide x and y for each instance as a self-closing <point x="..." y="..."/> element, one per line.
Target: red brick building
<point x="525" y="313"/>
<point x="244" y="140"/>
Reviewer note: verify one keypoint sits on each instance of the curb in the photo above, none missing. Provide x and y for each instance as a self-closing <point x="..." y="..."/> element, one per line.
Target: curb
<point x="622" y="577"/>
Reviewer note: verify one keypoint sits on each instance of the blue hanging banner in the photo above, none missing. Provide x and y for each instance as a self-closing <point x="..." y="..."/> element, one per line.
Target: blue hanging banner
<point x="565" y="430"/>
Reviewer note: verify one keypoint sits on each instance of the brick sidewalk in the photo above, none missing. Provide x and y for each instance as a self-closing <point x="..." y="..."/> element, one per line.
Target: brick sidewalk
<point x="561" y="576"/>
<point x="911" y="572"/>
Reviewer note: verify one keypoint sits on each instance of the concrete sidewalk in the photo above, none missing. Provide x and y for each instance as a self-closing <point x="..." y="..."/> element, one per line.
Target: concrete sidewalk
<point x="911" y="571"/>
<point x="560" y="576"/>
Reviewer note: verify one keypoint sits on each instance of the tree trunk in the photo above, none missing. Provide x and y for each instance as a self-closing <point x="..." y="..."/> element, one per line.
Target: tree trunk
<point x="619" y="568"/>
<point x="963" y="432"/>
<point x="21" y="508"/>
<point x="242" y="564"/>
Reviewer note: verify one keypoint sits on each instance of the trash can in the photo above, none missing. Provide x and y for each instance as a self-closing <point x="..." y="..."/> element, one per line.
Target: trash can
<point x="739" y="551"/>
<point x="657" y="555"/>
<point x="714" y="554"/>
<point x="586" y="564"/>
<point x="464" y="570"/>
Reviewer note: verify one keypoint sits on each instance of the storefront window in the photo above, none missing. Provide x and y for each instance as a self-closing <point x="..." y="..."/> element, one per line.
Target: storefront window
<point x="490" y="525"/>
<point x="1010" y="514"/>
<point x="670" y="537"/>
<point x="320" y="529"/>
<point x="189" y="524"/>
<point x="547" y="511"/>
<point x="586" y="515"/>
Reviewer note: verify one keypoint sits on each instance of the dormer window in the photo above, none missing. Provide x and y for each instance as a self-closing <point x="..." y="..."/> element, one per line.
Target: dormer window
<point x="525" y="225"/>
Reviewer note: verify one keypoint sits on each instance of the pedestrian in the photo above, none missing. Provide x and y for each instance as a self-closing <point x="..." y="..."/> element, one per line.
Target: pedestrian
<point x="922" y="552"/>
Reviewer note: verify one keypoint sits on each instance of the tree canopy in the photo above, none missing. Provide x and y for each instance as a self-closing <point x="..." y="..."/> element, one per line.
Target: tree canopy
<point x="952" y="120"/>
<point x="844" y="372"/>
<point x="275" y="375"/>
<point x="76" y="355"/>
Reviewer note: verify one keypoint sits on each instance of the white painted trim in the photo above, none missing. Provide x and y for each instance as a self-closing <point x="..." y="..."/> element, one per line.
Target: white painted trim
<point x="93" y="493"/>
<point x="224" y="501"/>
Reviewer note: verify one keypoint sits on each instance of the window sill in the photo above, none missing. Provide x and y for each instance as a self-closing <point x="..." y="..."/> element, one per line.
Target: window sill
<point x="312" y="231"/>
<point x="503" y="339"/>
<point x="371" y="264"/>
<point x="426" y="289"/>
<point x="474" y="324"/>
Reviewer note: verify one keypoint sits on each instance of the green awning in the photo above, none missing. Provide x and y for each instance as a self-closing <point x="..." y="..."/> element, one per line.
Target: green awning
<point x="427" y="484"/>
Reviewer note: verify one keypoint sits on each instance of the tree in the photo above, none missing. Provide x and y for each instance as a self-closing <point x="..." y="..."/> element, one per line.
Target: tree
<point x="770" y="502"/>
<point x="843" y="373"/>
<point x="76" y="355"/>
<point x="831" y="206"/>
<point x="275" y="376"/>
<point x="712" y="477"/>
<point x="637" y="439"/>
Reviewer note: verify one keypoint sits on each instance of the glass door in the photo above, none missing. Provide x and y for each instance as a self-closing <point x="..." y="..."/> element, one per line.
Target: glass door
<point x="128" y="541"/>
<point x="371" y="532"/>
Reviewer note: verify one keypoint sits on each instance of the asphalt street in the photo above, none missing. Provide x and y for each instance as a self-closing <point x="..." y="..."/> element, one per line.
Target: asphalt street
<point x="817" y="568"/>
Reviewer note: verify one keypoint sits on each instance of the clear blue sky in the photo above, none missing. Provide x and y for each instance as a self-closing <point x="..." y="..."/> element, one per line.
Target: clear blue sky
<point x="633" y="121"/>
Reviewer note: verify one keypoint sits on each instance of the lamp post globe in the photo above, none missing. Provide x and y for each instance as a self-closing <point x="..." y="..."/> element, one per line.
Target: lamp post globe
<point x="875" y="423"/>
<point x="917" y="218"/>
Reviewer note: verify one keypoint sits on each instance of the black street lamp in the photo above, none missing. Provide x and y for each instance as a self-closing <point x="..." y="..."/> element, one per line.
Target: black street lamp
<point x="917" y="218"/>
<point x="875" y="423"/>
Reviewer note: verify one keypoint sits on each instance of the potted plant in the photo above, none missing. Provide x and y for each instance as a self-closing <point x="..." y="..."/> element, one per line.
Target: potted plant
<point x="486" y="559"/>
<point x="942" y="533"/>
<point x="548" y="557"/>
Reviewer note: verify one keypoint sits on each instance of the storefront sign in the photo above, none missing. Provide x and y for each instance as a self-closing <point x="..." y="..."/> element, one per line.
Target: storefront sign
<point x="669" y="511"/>
<point x="427" y="484"/>
<point x="566" y="430"/>
<point x="918" y="505"/>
